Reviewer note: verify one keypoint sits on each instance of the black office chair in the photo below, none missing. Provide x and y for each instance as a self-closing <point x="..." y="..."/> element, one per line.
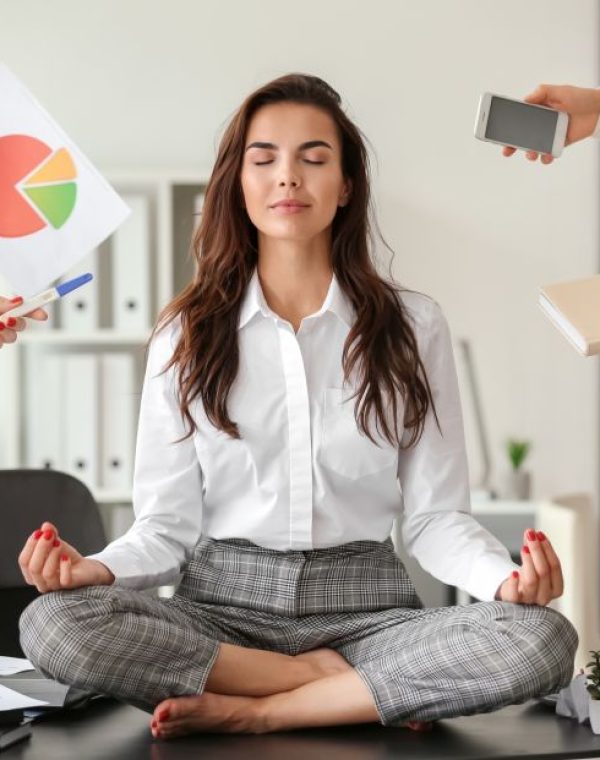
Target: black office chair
<point x="28" y="498"/>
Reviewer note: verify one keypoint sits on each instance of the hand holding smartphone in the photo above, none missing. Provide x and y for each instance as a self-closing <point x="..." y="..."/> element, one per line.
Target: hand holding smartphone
<point x="521" y="124"/>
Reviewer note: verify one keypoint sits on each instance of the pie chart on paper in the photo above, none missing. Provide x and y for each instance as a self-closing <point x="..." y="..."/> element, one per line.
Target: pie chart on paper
<point x="38" y="186"/>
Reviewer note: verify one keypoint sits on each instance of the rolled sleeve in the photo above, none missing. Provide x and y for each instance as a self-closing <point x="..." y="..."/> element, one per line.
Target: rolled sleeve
<point x="167" y="484"/>
<point x="437" y="527"/>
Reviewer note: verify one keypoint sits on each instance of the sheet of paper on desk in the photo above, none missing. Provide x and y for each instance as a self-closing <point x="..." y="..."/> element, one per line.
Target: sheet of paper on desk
<point x="11" y="700"/>
<point x="10" y="665"/>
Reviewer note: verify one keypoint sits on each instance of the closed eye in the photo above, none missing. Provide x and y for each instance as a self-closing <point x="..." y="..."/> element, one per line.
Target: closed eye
<point x="262" y="163"/>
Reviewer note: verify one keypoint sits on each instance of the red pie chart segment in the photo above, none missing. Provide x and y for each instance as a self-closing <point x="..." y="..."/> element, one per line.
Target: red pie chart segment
<point x="27" y="167"/>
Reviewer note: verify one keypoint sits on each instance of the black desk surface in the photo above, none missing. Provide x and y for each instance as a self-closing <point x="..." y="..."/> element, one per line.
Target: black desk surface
<point x="107" y="729"/>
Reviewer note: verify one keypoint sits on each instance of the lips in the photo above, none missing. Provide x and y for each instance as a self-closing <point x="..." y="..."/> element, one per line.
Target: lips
<point x="290" y="204"/>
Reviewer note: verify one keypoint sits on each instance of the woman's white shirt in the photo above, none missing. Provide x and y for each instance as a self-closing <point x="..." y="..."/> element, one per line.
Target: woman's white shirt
<point x="302" y="476"/>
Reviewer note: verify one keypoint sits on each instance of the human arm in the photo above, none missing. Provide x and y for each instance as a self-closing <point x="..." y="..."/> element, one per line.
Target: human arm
<point x="437" y="527"/>
<point x="167" y="484"/>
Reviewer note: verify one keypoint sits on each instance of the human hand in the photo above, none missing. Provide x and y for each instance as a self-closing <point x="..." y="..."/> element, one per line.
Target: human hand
<point x="540" y="579"/>
<point x="581" y="103"/>
<point x="9" y="328"/>
<point x="43" y="565"/>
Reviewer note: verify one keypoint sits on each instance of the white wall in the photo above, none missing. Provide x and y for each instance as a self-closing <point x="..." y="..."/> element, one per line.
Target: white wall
<point x="139" y="84"/>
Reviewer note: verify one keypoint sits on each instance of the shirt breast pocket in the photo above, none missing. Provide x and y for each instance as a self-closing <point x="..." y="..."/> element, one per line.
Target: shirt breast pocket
<point x="346" y="450"/>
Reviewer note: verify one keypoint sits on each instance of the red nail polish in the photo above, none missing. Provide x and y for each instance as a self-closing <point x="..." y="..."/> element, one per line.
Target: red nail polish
<point x="11" y="321"/>
<point x="526" y="550"/>
<point x="48" y="534"/>
<point x="64" y="558"/>
<point x="16" y="299"/>
<point x="56" y="543"/>
<point x="531" y="535"/>
<point x="2" y="325"/>
<point x="163" y="714"/>
<point x="541" y="536"/>
<point x="515" y="573"/>
<point x="154" y="724"/>
<point x="38" y="534"/>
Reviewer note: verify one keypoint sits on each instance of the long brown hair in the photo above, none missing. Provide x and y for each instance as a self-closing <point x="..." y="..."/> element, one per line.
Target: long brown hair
<point x="225" y="251"/>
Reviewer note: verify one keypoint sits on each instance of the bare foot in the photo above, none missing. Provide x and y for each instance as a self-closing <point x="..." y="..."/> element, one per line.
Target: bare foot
<point x="326" y="661"/>
<point x="207" y="712"/>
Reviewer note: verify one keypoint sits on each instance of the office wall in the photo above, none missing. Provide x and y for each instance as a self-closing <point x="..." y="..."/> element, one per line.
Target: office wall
<point x="149" y="84"/>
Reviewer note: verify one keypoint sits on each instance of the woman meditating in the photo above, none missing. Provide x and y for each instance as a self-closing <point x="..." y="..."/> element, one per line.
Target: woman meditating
<point x="295" y="402"/>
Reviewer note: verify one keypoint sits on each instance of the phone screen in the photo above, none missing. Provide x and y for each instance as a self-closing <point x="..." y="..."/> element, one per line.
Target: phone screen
<point x="521" y="124"/>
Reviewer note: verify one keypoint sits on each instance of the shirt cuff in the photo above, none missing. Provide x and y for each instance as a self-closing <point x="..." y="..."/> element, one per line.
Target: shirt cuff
<point x="119" y="561"/>
<point x="487" y="575"/>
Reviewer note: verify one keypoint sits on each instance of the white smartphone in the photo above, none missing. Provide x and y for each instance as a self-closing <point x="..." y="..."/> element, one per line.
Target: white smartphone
<point x="518" y="124"/>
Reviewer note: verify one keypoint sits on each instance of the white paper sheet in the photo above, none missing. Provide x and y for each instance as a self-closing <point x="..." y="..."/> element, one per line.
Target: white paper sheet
<point x="11" y="700"/>
<point x="10" y="665"/>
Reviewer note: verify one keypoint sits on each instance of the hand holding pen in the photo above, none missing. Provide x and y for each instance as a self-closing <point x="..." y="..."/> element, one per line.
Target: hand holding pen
<point x="13" y="310"/>
<point x="10" y="326"/>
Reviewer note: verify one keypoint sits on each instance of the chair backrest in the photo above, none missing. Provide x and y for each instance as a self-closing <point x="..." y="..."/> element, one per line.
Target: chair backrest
<point x="28" y="498"/>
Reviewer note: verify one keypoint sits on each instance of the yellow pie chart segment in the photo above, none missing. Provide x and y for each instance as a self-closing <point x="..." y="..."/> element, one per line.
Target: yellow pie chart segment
<point x="59" y="167"/>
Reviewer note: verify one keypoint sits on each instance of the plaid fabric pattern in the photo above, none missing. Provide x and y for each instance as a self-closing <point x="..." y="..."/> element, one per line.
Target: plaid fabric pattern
<point x="357" y="598"/>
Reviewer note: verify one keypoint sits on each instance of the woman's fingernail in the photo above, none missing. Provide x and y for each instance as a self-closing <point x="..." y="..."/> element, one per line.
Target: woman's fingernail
<point x="48" y="534"/>
<point x="154" y="724"/>
<point x="526" y="550"/>
<point x="2" y="325"/>
<point x="56" y="543"/>
<point x="515" y="573"/>
<point x="541" y="536"/>
<point x="64" y="558"/>
<point x="11" y="321"/>
<point x="38" y="534"/>
<point x="16" y="299"/>
<point x="531" y="535"/>
<point x="163" y="714"/>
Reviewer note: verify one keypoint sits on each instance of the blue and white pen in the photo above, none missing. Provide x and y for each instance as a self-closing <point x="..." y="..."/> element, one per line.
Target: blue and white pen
<point x="47" y="296"/>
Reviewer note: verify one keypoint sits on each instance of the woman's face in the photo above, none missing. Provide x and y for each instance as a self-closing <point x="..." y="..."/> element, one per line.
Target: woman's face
<point x="289" y="169"/>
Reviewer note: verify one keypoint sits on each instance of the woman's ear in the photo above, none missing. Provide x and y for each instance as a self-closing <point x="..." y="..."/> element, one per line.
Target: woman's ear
<point x="346" y="193"/>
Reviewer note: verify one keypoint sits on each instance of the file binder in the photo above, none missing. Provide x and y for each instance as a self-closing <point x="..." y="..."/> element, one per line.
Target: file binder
<point x="81" y="417"/>
<point x="198" y="204"/>
<point x="44" y="420"/>
<point x="130" y="251"/>
<point x="79" y="312"/>
<point x="118" y="419"/>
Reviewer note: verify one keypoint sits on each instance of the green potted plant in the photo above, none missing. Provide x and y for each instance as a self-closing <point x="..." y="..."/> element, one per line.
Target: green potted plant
<point x="593" y="687"/>
<point x="518" y="480"/>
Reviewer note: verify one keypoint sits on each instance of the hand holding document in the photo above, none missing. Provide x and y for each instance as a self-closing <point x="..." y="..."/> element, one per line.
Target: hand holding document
<point x="574" y="308"/>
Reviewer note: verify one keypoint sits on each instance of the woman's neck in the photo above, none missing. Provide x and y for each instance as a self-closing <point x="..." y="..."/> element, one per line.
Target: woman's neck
<point x="295" y="283"/>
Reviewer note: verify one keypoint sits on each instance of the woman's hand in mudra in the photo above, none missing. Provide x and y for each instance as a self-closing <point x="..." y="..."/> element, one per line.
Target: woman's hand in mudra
<point x="540" y="579"/>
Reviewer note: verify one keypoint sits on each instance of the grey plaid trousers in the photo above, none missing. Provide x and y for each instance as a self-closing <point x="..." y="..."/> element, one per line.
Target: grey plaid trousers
<point x="357" y="598"/>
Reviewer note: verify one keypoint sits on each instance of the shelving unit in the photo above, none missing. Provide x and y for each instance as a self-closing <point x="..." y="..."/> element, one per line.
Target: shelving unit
<point x="173" y="201"/>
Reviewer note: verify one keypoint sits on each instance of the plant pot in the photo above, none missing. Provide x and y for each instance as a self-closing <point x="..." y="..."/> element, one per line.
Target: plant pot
<point x="595" y="715"/>
<point x="517" y="485"/>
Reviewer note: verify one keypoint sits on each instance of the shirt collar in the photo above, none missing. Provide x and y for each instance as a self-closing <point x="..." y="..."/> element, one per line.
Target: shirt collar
<point x="335" y="301"/>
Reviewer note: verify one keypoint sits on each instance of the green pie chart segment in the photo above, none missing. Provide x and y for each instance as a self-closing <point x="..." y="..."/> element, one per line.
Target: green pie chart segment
<point x="54" y="201"/>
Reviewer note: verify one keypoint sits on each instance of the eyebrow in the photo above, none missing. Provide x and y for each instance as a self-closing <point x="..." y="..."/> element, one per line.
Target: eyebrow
<point x="304" y="146"/>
